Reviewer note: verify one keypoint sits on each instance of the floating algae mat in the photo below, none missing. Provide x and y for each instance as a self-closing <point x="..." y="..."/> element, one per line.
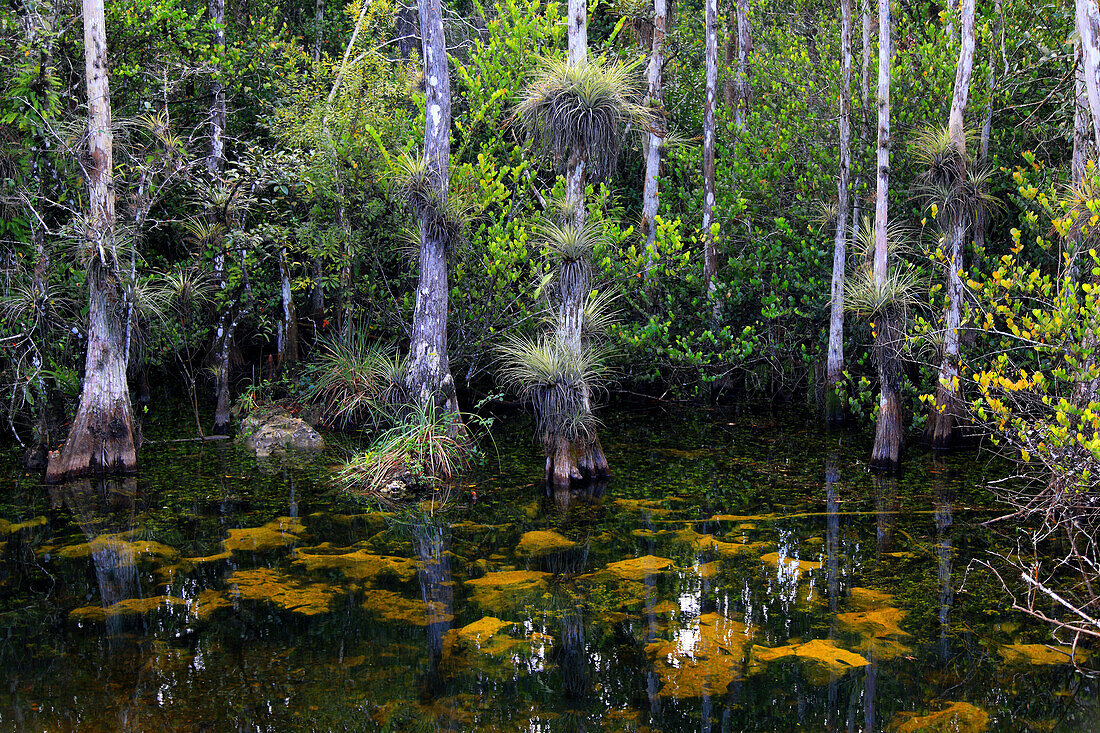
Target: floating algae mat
<point x="717" y="583"/>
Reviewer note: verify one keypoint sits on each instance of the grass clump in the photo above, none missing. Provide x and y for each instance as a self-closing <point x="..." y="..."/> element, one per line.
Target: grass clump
<point x="354" y="379"/>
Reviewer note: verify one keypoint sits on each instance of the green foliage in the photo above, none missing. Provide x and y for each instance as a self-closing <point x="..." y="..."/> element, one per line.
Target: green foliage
<point x="353" y="379"/>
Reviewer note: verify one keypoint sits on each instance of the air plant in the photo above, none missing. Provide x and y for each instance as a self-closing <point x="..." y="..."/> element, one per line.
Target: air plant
<point x="948" y="181"/>
<point x="443" y="212"/>
<point x="582" y="109"/>
<point x="865" y="296"/>
<point x="556" y="380"/>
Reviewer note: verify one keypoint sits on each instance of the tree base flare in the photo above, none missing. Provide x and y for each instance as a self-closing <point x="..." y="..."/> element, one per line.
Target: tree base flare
<point x="834" y="405"/>
<point x="571" y="463"/>
<point x="887" y="450"/>
<point x="943" y="432"/>
<point x="100" y="442"/>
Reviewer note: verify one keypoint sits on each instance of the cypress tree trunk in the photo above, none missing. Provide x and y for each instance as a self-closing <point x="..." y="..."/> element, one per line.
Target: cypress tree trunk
<point x="744" y="82"/>
<point x="429" y="373"/>
<point x="318" y="24"/>
<point x="1081" y="153"/>
<point x="834" y="410"/>
<point x="943" y="420"/>
<point x="888" y="435"/>
<point x="710" y="247"/>
<point x="865" y="100"/>
<point x="982" y="221"/>
<point x="655" y="99"/>
<point x="580" y="459"/>
<point x="215" y="162"/>
<point x="101" y="438"/>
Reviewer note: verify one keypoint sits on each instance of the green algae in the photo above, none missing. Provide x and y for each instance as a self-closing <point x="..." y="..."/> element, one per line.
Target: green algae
<point x="879" y="631"/>
<point x="393" y="607"/>
<point x="637" y="568"/>
<point x="123" y="553"/>
<point x="868" y="599"/>
<point x="958" y="717"/>
<point x="503" y="588"/>
<point x="275" y="535"/>
<point x="281" y="590"/>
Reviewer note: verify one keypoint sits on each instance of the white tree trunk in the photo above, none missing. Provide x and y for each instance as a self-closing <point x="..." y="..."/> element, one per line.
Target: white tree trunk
<point x="835" y="358"/>
<point x="710" y="246"/>
<point x="744" y="47"/>
<point x="655" y="100"/>
<point x="215" y="162"/>
<point x="946" y="411"/>
<point x="578" y="32"/>
<point x="1088" y="28"/>
<point x="887" y="448"/>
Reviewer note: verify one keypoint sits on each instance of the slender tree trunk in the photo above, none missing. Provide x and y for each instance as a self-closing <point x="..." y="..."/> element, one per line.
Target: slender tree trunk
<point x="429" y="375"/>
<point x="943" y="420"/>
<point x="215" y="162"/>
<point x="654" y="99"/>
<point x="318" y="25"/>
<point x="405" y="22"/>
<point x="865" y="111"/>
<point x="981" y="224"/>
<point x="1081" y="154"/>
<point x="710" y="245"/>
<point x="1088" y="27"/>
<point x="888" y="331"/>
<point x="744" y="80"/>
<point x="288" y="348"/>
<point x="226" y="329"/>
<point x="578" y="32"/>
<point x="101" y="438"/>
<point x="834" y="410"/>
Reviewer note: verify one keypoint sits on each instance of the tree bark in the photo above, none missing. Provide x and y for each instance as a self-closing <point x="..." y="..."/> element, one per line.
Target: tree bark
<point x="743" y="84"/>
<point x="405" y="22"/>
<point x="834" y="410"/>
<point x="288" y="342"/>
<point x="1088" y="28"/>
<point x="982" y="222"/>
<point x="101" y="438"/>
<point x="943" y="420"/>
<point x="888" y="434"/>
<point x="655" y="100"/>
<point x="429" y="374"/>
<point x="710" y="245"/>
<point x="215" y="162"/>
<point x="865" y="101"/>
<point x="578" y="32"/>
<point x="1081" y="153"/>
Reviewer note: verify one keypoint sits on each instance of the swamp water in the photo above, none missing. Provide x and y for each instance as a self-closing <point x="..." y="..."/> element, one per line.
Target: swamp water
<point x="740" y="572"/>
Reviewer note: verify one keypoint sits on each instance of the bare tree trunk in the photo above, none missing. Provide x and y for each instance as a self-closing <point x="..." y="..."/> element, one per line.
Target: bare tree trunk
<point x="834" y="410"/>
<point x="1081" y="153"/>
<point x="101" y="438"/>
<point x="578" y="32"/>
<point x="429" y="376"/>
<point x="744" y="80"/>
<point x="1088" y="27"/>
<point x="288" y="346"/>
<point x="215" y="162"/>
<point x="943" y="420"/>
<point x="710" y="245"/>
<point x="405" y="26"/>
<point x="318" y="24"/>
<point x="982" y="222"/>
<point x="655" y="99"/>
<point x="865" y="100"/>
<point x="888" y="431"/>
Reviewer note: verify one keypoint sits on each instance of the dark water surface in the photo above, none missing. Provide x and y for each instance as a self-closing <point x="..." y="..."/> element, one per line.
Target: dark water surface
<point x="740" y="572"/>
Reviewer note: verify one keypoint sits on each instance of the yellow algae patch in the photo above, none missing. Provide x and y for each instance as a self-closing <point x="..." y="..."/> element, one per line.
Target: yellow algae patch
<point x="742" y="518"/>
<point x="209" y="602"/>
<point x="209" y="558"/>
<point x="492" y="590"/>
<point x="542" y="542"/>
<point x="6" y="528"/>
<point x="276" y="534"/>
<point x="866" y="599"/>
<point x="959" y="717"/>
<point x="485" y="638"/>
<point x="391" y="606"/>
<point x="481" y="630"/>
<point x="707" y="570"/>
<point x="878" y="630"/>
<point x="126" y="553"/>
<point x="279" y="589"/>
<point x="358" y="565"/>
<point x="700" y="661"/>
<point x="126" y="609"/>
<point x="641" y="505"/>
<point x="774" y="558"/>
<point x="821" y="659"/>
<point x="639" y="567"/>
<point x="1040" y="654"/>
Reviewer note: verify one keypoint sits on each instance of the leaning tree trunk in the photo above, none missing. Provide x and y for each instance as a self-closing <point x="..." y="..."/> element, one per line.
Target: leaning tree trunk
<point x="887" y="446"/>
<point x="654" y="99"/>
<point x="943" y="420"/>
<point x="834" y="373"/>
<point x="215" y="162"/>
<point x="574" y="458"/>
<point x="710" y="245"/>
<point x="429" y="373"/>
<point x="101" y="438"/>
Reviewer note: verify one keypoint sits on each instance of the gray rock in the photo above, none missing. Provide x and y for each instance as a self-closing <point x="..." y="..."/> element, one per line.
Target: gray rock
<point x="273" y="431"/>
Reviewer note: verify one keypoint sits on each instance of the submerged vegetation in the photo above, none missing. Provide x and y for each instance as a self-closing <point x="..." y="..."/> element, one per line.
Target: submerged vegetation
<point x="367" y="216"/>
